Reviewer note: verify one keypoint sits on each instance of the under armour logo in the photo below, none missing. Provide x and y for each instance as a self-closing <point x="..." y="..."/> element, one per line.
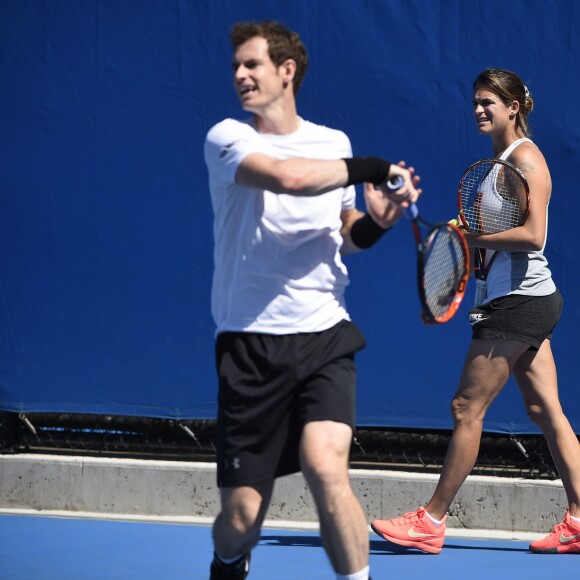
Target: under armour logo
<point x="232" y="463"/>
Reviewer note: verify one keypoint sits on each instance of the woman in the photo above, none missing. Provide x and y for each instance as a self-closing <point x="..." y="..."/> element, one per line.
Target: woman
<point x="512" y="325"/>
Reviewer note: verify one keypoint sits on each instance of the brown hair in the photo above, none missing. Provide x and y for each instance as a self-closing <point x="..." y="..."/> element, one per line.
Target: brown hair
<point x="283" y="44"/>
<point x="509" y="87"/>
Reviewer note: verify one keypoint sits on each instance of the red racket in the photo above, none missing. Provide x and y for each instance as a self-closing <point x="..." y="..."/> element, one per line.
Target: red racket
<point x="442" y="265"/>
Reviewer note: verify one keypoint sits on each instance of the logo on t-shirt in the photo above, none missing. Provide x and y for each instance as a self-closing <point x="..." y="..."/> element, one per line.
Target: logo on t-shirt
<point x="226" y="148"/>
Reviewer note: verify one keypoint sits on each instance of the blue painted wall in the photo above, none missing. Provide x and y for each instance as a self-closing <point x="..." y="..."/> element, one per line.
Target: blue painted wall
<point x="105" y="219"/>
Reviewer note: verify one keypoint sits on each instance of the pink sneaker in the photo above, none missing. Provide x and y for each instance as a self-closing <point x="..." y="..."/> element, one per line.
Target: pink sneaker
<point x="564" y="538"/>
<point x="414" y="530"/>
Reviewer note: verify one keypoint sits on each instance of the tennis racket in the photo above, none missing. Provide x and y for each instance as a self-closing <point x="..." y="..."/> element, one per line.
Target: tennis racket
<point x="493" y="196"/>
<point x="442" y="264"/>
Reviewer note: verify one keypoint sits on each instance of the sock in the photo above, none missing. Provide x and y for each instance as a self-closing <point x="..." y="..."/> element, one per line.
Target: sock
<point x="575" y="518"/>
<point x="436" y="522"/>
<point x="360" y="575"/>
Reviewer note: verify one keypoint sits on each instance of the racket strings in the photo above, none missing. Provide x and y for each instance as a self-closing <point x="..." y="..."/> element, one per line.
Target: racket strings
<point x="493" y="198"/>
<point x="445" y="264"/>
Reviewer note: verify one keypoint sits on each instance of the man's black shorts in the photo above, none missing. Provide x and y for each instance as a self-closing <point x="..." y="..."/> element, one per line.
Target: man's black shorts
<point x="270" y="386"/>
<point x="528" y="319"/>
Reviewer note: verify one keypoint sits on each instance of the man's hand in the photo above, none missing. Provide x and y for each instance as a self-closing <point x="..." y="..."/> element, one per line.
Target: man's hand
<point x="383" y="211"/>
<point x="384" y="205"/>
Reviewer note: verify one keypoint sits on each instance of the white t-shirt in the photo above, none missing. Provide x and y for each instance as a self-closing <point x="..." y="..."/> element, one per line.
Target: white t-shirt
<point x="515" y="272"/>
<point x="278" y="268"/>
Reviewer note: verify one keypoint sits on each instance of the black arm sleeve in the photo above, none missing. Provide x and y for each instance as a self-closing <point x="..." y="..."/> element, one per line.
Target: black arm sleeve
<point x="372" y="169"/>
<point x="365" y="232"/>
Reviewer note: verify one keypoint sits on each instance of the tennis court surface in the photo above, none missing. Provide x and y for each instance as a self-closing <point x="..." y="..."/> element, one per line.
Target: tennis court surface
<point x="52" y="548"/>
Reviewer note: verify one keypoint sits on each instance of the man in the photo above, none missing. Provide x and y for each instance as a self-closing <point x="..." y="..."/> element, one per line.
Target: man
<point x="284" y="203"/>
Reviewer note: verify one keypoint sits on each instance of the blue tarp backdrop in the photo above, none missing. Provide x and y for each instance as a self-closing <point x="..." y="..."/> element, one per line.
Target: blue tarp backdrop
<point x="105" y="217"/>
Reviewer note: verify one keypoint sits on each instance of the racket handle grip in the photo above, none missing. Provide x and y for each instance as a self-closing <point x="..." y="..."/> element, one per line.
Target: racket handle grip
<point x="411" y="212"/>
<point x="395" y="183"/>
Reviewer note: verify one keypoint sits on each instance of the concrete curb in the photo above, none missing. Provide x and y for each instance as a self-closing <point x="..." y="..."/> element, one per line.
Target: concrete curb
<point x="180" y="490"/>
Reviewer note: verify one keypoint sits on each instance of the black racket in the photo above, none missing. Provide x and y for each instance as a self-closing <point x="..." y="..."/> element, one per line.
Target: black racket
<point x="493" y="196"/>
<point x="442" y="264"/>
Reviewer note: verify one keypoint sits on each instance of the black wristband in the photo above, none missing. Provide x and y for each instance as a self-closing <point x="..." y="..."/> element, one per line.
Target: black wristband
<point x="365" y="232"/>
<point x="372" y="169"/>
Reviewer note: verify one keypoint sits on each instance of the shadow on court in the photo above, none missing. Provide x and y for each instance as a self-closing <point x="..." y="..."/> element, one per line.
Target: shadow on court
<point x="50" y="548"/>
<point x="381" y="546"/>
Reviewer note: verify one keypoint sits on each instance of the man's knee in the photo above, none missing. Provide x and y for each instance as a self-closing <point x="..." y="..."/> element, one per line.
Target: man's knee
<point x="244" y="508"/>
<point x="325" y="451"/>
<point x="237" y="528"/>
<point x="329" y="476"/>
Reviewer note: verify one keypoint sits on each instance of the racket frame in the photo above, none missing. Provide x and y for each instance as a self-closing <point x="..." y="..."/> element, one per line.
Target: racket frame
<point x="422" y="246"/>
<point x="494" y="161"/>
<point x="481" y="271"/>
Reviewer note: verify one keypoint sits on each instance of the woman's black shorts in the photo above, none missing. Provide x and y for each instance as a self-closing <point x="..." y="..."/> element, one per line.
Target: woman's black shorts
<point x="270" y="386"/>
<point x="528" y="319"/>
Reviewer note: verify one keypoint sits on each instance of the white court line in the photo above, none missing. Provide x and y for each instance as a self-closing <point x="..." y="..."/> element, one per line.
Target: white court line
<point x="268" y="524"/>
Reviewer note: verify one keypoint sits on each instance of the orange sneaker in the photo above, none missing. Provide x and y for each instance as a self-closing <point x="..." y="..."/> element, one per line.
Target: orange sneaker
<point x="564" y="538"/>
<point x="414" y="530"/>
